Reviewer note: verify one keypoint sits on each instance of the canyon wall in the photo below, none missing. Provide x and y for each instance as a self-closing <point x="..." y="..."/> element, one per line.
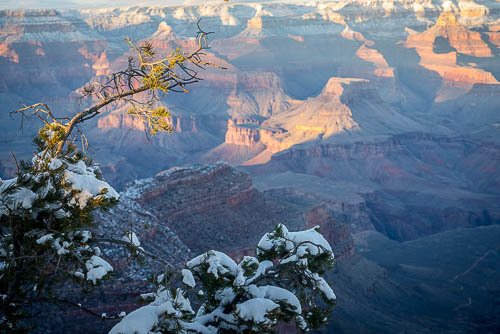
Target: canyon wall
<point x="377" y="121"/>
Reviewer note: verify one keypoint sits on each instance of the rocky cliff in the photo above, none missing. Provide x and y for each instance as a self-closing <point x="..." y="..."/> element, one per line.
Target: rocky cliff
<point x="221" y="205"/>
<point x="439" y="46"/>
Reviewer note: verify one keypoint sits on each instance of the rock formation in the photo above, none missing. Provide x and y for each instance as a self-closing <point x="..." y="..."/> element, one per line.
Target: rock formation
<point x="461" y="40"/>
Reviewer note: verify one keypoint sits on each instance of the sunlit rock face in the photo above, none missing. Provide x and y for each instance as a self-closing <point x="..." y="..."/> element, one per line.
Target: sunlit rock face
<point x="440" y="45"/>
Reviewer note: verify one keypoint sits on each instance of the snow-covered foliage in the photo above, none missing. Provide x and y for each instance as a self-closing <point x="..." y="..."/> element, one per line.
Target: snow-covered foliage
<point x="283" y="283"/>
<point x="45" y="225"/>
<point x="97" y="268"/>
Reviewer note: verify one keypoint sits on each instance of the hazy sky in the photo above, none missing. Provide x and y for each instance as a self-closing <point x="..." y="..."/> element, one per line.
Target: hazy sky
<point x="104" y="3"/>
<point x="83" y="3"/>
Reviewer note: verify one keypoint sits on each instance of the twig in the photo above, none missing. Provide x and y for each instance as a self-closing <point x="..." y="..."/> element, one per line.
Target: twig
<point x="56" y="301"/>
<point x="135" y="248"/>
<point x="15" y="160"/>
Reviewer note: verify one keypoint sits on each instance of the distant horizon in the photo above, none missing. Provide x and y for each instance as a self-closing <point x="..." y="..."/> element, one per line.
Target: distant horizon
<point x="68" y="4"/>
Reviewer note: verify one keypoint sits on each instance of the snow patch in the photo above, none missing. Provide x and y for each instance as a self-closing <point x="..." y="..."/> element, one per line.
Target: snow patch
<point x="256" y="309"/>
<point x="131" y="238"/>
<point x="187" y="278"/>
<point x="276" y="294"/>
<point x="219" y="263"/>
<point x="97" y="268"/>
<point x="140" y="321"/>
<point x="44" y="239"/>
<point x="83" y="179"/>
<point x="55" y="164"/>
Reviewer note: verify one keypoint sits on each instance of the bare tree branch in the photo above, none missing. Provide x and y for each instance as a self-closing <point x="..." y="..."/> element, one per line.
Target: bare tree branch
<point x="149" y="79"/>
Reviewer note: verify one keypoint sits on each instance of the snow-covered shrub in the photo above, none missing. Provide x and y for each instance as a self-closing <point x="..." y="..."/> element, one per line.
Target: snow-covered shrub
<point x="45" y="217"/>
<point x="283" y="283"/>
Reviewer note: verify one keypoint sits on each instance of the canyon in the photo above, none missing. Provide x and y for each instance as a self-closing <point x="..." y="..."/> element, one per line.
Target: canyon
<point x="187" y="210"/>
<point x="378" y="121"/>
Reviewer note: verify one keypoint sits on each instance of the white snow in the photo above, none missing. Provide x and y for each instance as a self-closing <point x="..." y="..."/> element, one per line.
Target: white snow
<point x="219" y="263"/>
<point x="79" y="274"/>
<point x="324" y="287"/>
<point x="139" y="186"/>
<point x="44" y="238"/>
<point x="55" y="164"/>
<point x="256" y="310"/>
<point x="258" y="302"/>
<point x="4" y="184"/>
<point x="20" y="198"/>
<point x="166" y="308"/>
<point x="225" y="296"/>
<point x="97" y="268"/>
<point x="61" y="249"/>
<point x="240" y="278"/>
<point x="131" y="238"/>
<point x="86" y="235"/>
<point x="263" y="266"/>
<point x="83" y="179"/>
<point x="140" y="321"/>
<point x="310" y="241"/>
<point x="59" y="214"/>
<point x="276" y="294"/>
<point x="25" y="198"/>
<point x="187" y="278"/>
<point x="148" y="296"/>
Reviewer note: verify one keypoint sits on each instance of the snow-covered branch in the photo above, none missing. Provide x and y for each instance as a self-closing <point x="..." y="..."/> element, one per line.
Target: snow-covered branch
<point x="283" y="283"/>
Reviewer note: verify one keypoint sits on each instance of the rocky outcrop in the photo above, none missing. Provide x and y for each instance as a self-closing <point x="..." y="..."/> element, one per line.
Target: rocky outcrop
<point x="257" y="96"/>
<point x="119" y="121"/>
<point x="101" y="66"/>
<point x="461" y="40"/>
<point x="45" y="55"/>
<point x="348" y="33"/>
<point x="216" y="207"/>
<point x="243" y="133"/>
<point x="325" y="114"/>
<point x="217" y="201"/>
<point x="7" y="52"/>
<point x="279" y="59"/>
<point x="382" y="69"/>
